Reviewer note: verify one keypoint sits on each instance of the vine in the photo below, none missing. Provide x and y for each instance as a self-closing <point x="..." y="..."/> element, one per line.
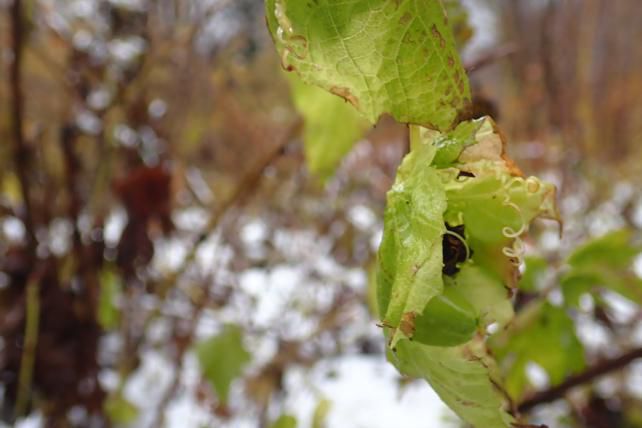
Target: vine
<point x="459" y="206"/>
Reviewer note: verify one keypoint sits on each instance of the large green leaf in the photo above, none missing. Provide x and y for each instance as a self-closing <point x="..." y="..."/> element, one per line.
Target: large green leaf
<point x="410" y="255"/>
<point x="331" y="126"/>
<point x="465" y="378"/>
<point x="382" y="56"/>
<point x="222" y="359"/>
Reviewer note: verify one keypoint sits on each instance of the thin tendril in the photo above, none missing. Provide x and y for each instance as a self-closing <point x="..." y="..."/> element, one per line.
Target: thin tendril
<point x="515" y="252"/>
<point x="461" y="238"/>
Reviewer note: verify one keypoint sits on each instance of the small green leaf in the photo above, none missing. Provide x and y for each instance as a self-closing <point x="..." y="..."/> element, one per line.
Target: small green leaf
<point x="486" y="292"/>
<point x="222" y="359"/>
<point x="447" y="320"/>
<point x="395" y="57"/>
<point x="110" y="290"/>
<point x="450" y="145"/>
<point x="284" y="421"/>
<point x="321" y="413"/>
<point x="613" y="249"/>
<point x="535" y="268"/>
<point x="577" y="282"/>
<point x="119" y="410"/>
<point x="603" y="263"/>
<point x="331" y="126"/>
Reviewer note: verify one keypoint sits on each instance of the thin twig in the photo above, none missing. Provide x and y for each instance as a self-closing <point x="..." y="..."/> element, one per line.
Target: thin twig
<point x="491" y="57"/>
<point x="181" y="350"/>
<point x="588" y="375"/>
<point x="28" y="357"/>
<point x="20" y="149"/>
<point x="247" y="184"/>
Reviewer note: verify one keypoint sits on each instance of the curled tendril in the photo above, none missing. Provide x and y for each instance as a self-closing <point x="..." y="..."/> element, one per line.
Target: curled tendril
<point x="461" y="238"/>
<point x="515" y="252"/>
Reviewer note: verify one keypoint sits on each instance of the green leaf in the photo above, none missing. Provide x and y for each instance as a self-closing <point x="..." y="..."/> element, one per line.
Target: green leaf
<point x="331" y="126"/>
<point x="382" y="56"/>
<point x="592" y="279"/>
<point x="603" y="263"/>
<point x="450" y="145"/>
<point x="493" y="204"/>
<point x="447" y="320"/>
<point x="540" y="327"/>
<point x="486" y="292"/>
<point x="464" y="377"/>
<point x="222" y="359"/>
<point x="110" y="290"/>
<point x="575" y="283"/>
<point x="535" y="268"/>
<point x="613" y="249"/>
<point x="321" y="413"/>
<point x="410" y="255"/>
<point x="371" y="295"/>
<point x="284" y="421"/>
<point x="458" y="20"/>
<point x="119" y="410"/>
<point x="498" y="206"/>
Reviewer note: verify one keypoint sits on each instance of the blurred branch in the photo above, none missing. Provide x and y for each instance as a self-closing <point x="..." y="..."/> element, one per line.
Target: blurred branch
<point x="182" y="346"/>
<point x="72" y="168"/>
<point x="28" y="358"/>
<point x="601" y="368"/>
<point x="491" y="56"/>
<point x="246" y="186"/>
<point x="20" y="150"/>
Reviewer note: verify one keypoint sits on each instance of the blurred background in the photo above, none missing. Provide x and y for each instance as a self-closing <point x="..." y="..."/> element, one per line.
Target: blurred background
<point x="167" y="258"/>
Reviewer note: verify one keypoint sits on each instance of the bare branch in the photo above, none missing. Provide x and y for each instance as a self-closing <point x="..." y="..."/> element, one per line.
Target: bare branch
<point x="588" y="375"/>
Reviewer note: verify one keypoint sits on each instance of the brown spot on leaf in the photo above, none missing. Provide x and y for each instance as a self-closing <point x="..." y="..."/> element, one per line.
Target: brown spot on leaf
<point x="405" y="18"/>
<point x="451" y="61"/>
<point x="436" y="34"/>
<point x="407" y="324"/>
<point x="345" y="94"/>
<point x="460" y="86"/>
<point x="468" y="403"/>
